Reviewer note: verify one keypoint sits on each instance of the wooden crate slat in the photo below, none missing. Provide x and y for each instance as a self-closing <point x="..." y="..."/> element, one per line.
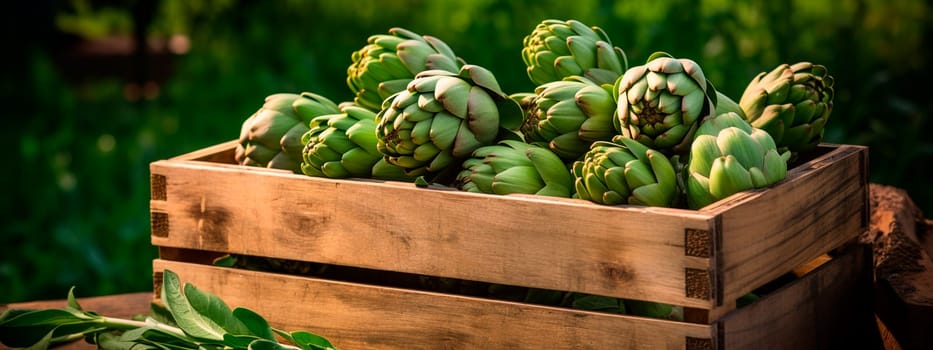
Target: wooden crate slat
<point x="701" y="259"/>
<point x="822" y="309"/>
<point x="630" y="252"/>
<point x="219" y="153"/>
<point x="774" y="230"/>
<point x="355" y="316"/>
<point x="825" y="309"/>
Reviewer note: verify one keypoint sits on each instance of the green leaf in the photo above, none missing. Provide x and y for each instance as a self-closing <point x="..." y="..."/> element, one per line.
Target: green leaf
<point x="56" y="330"/>
<point x="42" y="344"/>
<point x="239" y="341"/>
<point x="134" y="334"/>
<point x="110" y="341"/>
<point x="161" y="314"/>
<point x="309" y="341"/>
<point x="11" y="313"/>
<point x="226" y="261"/>
<point x="256" y="324"/>
<point x="263" y="344"/>
<point x="215" y="309"/>
<point x="188" y="318"/>
<point x="72" y="302"/>
<point x="285" y="335"/>
<point x="154" y="336"/>
<point x="25" y="329"/>
<point x="42" y="317"/>
<point x="70" y="332"/>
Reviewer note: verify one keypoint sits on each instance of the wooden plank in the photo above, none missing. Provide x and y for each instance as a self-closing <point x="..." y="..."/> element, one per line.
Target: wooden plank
<point x="820" y="206"/>
<point x="219" y="153"/>
<point x="890" y="342"/>
<point x="828" y="308"/>
<point x="623" y="251"/>
<point x="573" y="245"/>
<point x="355" y="316"/>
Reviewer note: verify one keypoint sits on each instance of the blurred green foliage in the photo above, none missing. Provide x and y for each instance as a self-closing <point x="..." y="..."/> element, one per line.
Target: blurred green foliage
<point x="80" y="143"/>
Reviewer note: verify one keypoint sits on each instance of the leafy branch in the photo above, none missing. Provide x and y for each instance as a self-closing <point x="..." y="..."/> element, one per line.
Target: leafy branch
<point x="191" y="319"/>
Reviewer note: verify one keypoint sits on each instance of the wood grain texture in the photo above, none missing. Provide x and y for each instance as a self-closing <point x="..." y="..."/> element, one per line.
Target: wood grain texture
<point x="355" y="316"/>
<point x="766" y="233"/>
<point x="829" y="308"/>
<point x="825" y="308"/>
<point x="901" y="237"/>
<point x="571" y="245"/>
<point x="632" y="252"/>
<point x="220" y="153"/>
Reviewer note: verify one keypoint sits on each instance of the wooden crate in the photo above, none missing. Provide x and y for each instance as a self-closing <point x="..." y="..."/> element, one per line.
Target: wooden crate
<point x="700" y="259"/>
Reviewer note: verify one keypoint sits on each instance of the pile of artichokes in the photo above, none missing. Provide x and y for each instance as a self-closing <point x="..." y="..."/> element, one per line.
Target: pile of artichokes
<point x="655" y="134"/>
<point x="593" y="128"/>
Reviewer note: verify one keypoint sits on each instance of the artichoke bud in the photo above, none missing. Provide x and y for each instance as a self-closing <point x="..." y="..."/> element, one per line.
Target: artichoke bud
<point x="739" y="144"/>
<point x="453" y="112"/>
<point x="730" y="161"/>
<point x="727" y="176"/>
<point x="714" y="125"/>
<point x="343" y="145"/>
<point x="791" y="100"/>
<point x="272" y="136"/>
<point x="389" y="62"/>
<point x="626" y="173"/>
<point x="569" y="115"/>
<point x="515" y="167"/>
<point x="662" y="102"/>
<point x="557" y="49"/>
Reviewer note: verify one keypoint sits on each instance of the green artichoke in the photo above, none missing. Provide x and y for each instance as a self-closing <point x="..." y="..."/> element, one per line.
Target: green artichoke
<point x="569" y="115"/>
<point x="792" y="103"/>
<point x="271" y="137"/>
<point x="559" y="49"/>
<point x="515" y="167"/>
<point x="661" y="103"/>
<point x="712" y="126"/>
<point x="629" y="173"/>
<point x="442" y="117"/>
<point x="730" y="160"/>
<point x="344" y="145"/>
<point x="384" y="170"/>
<point x="389" y="62"/>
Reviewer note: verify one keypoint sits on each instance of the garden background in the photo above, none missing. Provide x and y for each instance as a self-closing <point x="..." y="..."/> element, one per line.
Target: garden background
<point x="87" y="110"/>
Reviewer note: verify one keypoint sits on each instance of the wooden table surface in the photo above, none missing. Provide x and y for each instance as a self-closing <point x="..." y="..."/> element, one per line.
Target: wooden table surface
<point x="119" y="305"/>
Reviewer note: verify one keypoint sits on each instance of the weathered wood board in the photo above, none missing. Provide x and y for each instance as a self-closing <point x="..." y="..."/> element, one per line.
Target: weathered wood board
<point x="817" y="311"/>
<point x="702" y="259"/>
